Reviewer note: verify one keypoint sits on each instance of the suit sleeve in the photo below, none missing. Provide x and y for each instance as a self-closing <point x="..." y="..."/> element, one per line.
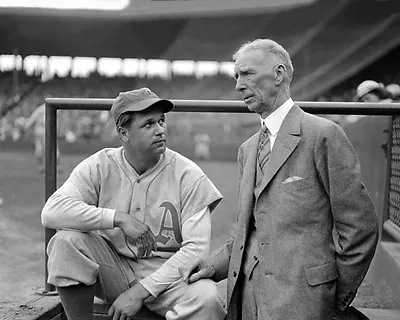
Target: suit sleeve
<point x="352" y="210"/>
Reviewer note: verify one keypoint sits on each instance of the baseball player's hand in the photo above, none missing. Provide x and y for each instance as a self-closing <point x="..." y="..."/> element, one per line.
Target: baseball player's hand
<point x="128" y="303"/>
<point x="139" y="232"/>
<point x="196" y="270"/>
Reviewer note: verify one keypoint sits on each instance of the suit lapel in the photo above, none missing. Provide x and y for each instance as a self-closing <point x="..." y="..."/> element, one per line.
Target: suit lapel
<point x="285" y="143"/>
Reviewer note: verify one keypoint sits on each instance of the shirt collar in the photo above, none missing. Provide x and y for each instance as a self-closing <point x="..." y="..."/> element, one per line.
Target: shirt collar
<point x="274" y="121"/>
<point x="133" y="170"/>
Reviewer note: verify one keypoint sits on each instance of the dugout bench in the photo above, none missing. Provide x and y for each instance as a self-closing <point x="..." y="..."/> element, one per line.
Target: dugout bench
<point x="47" y="305"/>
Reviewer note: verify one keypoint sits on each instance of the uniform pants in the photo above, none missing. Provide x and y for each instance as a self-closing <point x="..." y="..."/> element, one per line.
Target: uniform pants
<point x="86" y="257"/>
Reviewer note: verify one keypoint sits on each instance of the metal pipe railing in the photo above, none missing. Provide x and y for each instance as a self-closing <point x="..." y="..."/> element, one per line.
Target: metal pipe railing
<point x="236" y="106"/>
<point x="217" y="106"/>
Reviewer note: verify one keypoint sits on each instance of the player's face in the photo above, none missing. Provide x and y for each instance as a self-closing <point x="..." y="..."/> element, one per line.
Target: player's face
<point x="148" y="133"/>
<point x="255" y="79"/>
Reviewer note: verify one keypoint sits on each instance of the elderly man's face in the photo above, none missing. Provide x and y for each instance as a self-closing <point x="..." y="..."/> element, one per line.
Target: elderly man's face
<point x="256" y="80"/>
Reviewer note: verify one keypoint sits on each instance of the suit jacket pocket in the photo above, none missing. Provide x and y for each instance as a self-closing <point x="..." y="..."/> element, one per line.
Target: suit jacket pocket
<point x="295" y="185"/>
<point x="321" y="274"/>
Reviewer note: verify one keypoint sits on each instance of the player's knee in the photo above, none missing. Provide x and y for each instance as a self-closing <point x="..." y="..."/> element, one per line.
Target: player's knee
<point x="65" y="239"/>
<point x="206" y="292"/>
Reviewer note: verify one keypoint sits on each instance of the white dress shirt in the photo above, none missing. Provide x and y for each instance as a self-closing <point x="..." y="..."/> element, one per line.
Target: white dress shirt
<point x="274" y="121"/>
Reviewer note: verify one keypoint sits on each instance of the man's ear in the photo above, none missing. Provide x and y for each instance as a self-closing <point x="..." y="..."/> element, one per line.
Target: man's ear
<point x="123" y="133"/>
<point x="280" y="72"/>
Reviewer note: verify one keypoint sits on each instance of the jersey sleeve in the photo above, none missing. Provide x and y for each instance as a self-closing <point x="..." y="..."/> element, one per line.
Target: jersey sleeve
<point x="74" y="204"/>
<point x="199" y="195"/>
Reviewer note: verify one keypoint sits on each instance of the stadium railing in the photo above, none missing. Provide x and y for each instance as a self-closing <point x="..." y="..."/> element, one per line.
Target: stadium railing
<point x="391" y="201"/>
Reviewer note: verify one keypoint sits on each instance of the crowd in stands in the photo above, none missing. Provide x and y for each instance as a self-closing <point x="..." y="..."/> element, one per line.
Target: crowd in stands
<point x="78" y="125"/>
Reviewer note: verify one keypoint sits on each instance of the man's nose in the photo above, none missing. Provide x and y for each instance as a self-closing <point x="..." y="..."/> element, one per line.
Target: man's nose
<point x="160" y="129"/>
<point x="239" y="85"/>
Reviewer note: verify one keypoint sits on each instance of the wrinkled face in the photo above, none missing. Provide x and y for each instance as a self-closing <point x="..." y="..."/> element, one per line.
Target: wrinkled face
<point x="370" y="97"/>
<point x="147" y="134"/>
<point x="255" y="75"/>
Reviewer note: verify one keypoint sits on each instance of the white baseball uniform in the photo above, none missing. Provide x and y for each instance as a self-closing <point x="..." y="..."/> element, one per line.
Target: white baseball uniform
<point x="174" y="198"/>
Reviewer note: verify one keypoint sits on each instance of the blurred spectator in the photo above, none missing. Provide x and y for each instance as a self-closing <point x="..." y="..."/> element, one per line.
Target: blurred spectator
<point x="36" y="123"/>
<point x="70" y="137"/>
<point x="5" y="129"/>
<point x="372" y="91"/>
<point x="84" y="127"/>
<point x="202" y="146"/>
<point x="18" y="128"/>
<point x="394" y="91"/>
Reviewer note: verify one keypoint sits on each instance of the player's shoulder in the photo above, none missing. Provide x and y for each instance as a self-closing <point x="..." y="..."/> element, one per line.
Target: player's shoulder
<point x="182" y="164"/>
<point x="103" y="156"/>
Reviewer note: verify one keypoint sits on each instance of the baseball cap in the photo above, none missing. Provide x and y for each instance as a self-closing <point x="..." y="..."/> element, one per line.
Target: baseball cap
<point x="137" y="100"/>
<point x="366" y="87"/>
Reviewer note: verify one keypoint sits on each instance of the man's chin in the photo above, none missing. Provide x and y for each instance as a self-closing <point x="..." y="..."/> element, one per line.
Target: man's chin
<point x="251" y="107"/>
<point x="160" y="150"/>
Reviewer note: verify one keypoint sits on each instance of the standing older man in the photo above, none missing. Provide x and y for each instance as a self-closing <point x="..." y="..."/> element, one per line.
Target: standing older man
<point x="299" y="180"/>
<point x="129" y="217"/>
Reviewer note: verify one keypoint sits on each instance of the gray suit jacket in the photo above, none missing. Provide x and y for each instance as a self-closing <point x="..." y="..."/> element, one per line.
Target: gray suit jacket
<point x="311" y="187"/>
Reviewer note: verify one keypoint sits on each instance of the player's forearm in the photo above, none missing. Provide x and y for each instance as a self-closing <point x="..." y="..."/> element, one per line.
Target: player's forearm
<point x="168" y="273"/>
<point x="61" y="212"/>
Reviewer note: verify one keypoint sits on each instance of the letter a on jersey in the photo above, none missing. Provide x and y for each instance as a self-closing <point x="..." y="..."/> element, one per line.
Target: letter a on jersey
<point x="175" y="228"/>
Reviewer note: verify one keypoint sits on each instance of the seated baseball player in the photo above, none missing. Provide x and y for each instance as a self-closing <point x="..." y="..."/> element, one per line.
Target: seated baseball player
<point x="128" y="217"/>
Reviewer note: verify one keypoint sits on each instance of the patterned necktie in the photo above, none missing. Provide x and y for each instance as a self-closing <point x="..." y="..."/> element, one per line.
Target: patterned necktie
<point x="264" y="148"/>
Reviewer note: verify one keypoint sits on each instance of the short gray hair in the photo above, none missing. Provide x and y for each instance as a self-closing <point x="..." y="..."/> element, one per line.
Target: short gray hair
<point x="269" y="46"/>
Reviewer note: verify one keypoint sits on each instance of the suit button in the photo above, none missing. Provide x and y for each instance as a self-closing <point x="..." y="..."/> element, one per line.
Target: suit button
<point x="241" y="247"/>
<point x="255" y="258"/>
<point x="138" y="180"/>
<point x="234" y="274"/>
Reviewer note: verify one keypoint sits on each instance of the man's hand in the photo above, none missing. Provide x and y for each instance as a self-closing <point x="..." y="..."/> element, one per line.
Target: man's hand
<point x="128" y="303"/>
<point x="137" y="231"/>
<point x="196" y="270"/>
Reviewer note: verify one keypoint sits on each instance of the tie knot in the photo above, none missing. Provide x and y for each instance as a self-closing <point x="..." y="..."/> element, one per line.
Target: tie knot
<point x="264" y="129"/>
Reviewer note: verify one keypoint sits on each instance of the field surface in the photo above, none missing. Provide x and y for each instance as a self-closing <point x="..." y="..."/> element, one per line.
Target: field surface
<point x="22" y="235"/>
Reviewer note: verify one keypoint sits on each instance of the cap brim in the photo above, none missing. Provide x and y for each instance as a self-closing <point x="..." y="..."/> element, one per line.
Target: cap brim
<point x="143" y="105"/>
<point x="166" y="105"/>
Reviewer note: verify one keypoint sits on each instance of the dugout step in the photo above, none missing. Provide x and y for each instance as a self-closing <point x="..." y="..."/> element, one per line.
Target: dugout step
<point x="49" y="308"/>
